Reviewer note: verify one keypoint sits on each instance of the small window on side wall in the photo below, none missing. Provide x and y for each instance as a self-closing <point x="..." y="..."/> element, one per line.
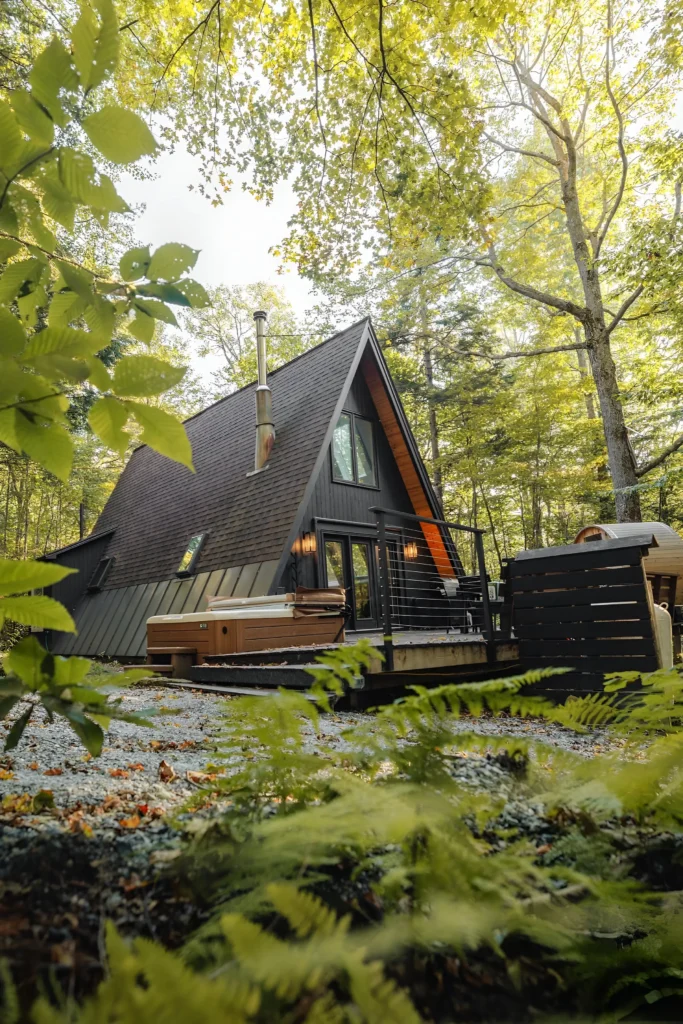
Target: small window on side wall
<point x="100" y="574"/>
<point x="353" y="451"/>
<point x="189" y="559"/>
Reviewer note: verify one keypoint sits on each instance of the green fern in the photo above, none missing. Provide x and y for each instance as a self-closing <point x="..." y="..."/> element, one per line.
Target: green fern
<point x="146" y="982"/>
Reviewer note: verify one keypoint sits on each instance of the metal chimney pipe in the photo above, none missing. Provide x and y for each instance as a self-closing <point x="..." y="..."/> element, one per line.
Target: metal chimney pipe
<point x="265" y="430"/>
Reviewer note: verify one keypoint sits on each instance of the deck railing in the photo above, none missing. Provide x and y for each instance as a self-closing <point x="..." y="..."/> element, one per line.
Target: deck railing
<point x="423" y="582"/>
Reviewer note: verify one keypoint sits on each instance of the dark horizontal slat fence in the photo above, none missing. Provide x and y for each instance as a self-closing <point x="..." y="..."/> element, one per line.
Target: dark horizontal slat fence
<point x="584" y="607"/>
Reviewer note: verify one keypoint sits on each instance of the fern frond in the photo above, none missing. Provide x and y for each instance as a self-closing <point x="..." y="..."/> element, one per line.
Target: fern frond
<point x="146" y="982"/>
<point x="307" y="914"/>
<point x="9" y="1008"/>
<point x="326" y="1010"/>
<point x="379" y="998"/>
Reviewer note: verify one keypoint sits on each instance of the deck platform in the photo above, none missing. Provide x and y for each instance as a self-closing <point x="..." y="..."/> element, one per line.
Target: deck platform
<point x="424" y="657"/>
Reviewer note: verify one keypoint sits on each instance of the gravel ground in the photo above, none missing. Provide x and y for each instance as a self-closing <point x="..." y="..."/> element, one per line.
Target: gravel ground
<point x="142" y="774"/>
<point x="95" y="848"/>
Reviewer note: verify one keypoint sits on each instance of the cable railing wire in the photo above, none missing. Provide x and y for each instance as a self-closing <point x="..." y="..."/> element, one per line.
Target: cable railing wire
<point x="423" y="581"/>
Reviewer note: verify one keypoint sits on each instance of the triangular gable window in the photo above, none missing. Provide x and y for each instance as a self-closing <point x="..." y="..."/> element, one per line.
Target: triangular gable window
<point x="353" y="451"/>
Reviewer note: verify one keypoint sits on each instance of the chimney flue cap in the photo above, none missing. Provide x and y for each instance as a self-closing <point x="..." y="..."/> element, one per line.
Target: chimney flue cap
<point x="260" y="314"/>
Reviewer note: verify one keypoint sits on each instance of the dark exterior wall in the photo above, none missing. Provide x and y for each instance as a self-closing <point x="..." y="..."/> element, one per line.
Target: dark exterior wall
<point x="351" y="504"/>
<point x="84" y="558"/>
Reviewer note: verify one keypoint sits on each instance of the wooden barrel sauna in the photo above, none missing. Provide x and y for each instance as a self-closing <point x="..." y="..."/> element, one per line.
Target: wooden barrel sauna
<point x="664" y="563"/>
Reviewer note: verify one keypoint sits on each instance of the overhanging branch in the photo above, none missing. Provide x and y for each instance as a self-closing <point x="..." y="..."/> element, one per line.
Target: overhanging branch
<point x="662" y="457"/>
<point x="529" y="292"/>
<point x="624" y="307"/>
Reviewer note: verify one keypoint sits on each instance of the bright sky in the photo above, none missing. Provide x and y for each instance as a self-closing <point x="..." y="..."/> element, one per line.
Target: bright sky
<point x="234" y="239"/>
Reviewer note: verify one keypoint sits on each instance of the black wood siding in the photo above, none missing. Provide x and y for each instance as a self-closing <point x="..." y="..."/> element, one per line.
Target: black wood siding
<point x="84" y="558"/>
<point x="348" y="503"/>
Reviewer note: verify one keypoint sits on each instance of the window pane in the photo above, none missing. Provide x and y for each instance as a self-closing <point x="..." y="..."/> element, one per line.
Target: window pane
<point x="361" y="580"/>
<point x="190" y="552"/>
<point x="342" y="458"/>
<point x="365" y="452"/>
<point x="334" y="562"/>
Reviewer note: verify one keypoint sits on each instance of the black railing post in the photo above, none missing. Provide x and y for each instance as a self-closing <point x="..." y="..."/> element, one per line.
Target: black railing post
<point x="486" y="607"/>
<point x="386" y="593"/>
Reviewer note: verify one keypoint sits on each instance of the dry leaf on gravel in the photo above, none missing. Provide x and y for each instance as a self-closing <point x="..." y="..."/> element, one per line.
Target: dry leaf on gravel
<point x="133" y="822"/>
<point x="118" y="773"/>
<point x="4" y="774"/>
<point x="164" y="856"/>
<point x="77" y="825"/>
<point x="136" y="766"/>
<point x="166" y="772"/>
<point x="34" y="766"/>
<point x="199" y="778"/>
<point x="63" y="953"/>
<point x="54" y="771"/>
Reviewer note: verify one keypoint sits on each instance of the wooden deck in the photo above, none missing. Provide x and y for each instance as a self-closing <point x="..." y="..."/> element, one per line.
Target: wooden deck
<point x="425" y="657"/>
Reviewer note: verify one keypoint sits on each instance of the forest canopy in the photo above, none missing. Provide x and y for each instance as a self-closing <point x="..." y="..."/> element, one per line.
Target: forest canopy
<point x="499" y="186"/>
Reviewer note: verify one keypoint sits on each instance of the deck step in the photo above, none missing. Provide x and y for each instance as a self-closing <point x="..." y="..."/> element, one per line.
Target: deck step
<point x="164" y="669"/>
<point x="237" y="691"/>
<point x="265" y="676"/>
<point x="171" y="650"/>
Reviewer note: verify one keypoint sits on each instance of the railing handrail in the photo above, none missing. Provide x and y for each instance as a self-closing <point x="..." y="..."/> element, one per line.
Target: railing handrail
<point x="425" y="519"/>
<point x="381" y="514"/>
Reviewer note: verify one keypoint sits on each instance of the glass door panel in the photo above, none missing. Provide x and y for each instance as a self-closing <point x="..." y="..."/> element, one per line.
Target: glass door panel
<point x="334" y="563"/>
<point x="363" y="588"/>
<point x="348" y="564"/>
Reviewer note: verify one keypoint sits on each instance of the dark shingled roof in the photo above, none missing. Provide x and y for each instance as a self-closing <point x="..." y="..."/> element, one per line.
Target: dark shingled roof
<point x="157" y="505"/>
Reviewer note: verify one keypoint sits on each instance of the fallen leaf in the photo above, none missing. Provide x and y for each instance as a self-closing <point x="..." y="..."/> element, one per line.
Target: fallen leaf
<point x="17" y="803"/>
<point x="166" y="772"/>
<point x="43" y="799"/>
<point x="546" y="848"/>
<point x="187" y="744"/>
<point x="110" y="802"/>
<point x="132" y="883"/>
<point x="78" y="826"/>
<point x="132" y="822"/>
<point x="199" y="778"/>
<point x="136" y="767"/>
<point x="63" y="953"/>
<point x="34" y="766"/>
<point x="54" y="771"/>
<point x="143" y="808"/>
<point x="4" y="774"/>
<point x="164" y="856"/>
<point x="156" y="812"/>
<point x="118" y="773"/>
<point x="11" y="926"/>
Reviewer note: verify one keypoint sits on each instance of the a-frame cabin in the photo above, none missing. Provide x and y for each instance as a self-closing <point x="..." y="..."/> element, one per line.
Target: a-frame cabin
<point x="168" y="539"/>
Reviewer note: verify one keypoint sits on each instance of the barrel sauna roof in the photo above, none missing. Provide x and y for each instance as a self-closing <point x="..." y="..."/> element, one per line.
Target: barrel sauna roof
<point x="665" y="559"/>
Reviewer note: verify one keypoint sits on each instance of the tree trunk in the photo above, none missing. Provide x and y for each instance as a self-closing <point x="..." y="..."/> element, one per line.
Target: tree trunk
<point x="437" y="479"/>
<point x="620" y="455"/>
<point x="584" y="370"/>
<point x="621" y="461"/>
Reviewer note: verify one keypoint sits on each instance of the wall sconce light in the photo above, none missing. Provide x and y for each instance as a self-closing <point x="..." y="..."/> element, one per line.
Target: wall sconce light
<point x="410" y="550"/>
<point x="308" y="544"/>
